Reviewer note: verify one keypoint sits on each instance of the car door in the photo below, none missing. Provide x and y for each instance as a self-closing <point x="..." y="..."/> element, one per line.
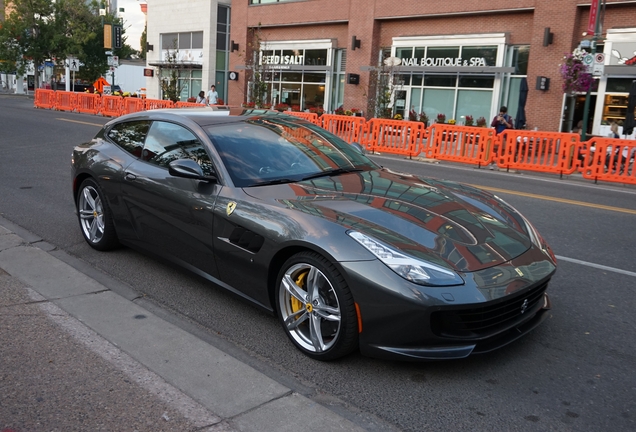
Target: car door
<point x="129" y="137"/>
<point x="172" y="216"/>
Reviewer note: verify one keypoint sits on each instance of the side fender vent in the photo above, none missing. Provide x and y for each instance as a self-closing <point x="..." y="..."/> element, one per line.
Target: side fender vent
<point x="246" y="239"/>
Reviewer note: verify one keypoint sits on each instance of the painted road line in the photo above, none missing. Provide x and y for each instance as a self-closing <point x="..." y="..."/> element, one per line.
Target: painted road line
<point x="598" y="266"/>
<point x="81" y="122"/>
<point x="560" y="200"/>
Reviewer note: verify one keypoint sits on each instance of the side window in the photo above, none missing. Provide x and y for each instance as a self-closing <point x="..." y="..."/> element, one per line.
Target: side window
<point x="167" y="142"/>
<point x="130" y="136"/>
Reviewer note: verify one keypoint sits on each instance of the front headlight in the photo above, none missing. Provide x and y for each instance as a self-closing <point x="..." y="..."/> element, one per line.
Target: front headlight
<point x="410" y="268"/>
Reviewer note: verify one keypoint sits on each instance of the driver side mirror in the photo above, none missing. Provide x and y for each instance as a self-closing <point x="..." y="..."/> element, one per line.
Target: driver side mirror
<point x="187" y="168"/>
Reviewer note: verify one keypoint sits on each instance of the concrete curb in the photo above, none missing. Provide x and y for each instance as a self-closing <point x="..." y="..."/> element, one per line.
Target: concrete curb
<point x="228" y="394"/>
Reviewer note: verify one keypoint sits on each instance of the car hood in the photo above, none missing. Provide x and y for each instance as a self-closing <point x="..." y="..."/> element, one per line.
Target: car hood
<point x="452" y="224"/>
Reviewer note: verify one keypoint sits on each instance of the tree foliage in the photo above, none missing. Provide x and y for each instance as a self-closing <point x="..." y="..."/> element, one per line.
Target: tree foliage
<point x="43" y="30"/>
<point x="255" y="71"/>
<point x="170" y="84"/>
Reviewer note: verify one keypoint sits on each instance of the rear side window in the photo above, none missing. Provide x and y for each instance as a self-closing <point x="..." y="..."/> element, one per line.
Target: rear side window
<point x="130" y="136"/>
<point x="168" y="141"/>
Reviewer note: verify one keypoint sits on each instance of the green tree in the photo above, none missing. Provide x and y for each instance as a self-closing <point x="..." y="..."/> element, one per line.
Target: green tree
<point x="170" y="84"/>
<point x="27" y="34"/>
<point x="255" y="72"/>
<point x="143" y="40"/>
<point x="39" y="30"/>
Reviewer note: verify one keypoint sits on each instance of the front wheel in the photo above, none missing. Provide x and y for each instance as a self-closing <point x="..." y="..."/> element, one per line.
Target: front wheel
<point x="316" y="308"/>
<point x="95" y="218"/>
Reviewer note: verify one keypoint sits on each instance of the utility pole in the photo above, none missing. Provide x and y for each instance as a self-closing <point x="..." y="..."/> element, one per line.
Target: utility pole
<point x="595" y="38"/>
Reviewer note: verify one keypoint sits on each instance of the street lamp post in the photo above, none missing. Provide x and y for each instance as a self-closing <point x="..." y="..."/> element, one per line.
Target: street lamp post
<point x="595" y="38"/>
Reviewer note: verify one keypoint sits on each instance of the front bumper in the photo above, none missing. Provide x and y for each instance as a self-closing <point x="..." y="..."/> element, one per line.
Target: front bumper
<point x="496" y="306"/>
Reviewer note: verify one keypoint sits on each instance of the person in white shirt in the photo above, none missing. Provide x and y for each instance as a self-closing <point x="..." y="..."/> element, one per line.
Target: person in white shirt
<point x="213" y="96"/>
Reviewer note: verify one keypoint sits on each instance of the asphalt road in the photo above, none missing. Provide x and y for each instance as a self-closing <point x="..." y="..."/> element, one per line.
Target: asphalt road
<point x="575" y="372"/>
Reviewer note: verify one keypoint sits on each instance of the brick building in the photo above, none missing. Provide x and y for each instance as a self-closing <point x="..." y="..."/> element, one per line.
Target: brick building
<point x="456" y="57"/>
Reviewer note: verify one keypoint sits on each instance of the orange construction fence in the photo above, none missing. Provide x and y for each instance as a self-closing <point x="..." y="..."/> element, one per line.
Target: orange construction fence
<point x="605" y="159"/>
<point x="346" y="127"/>
<point x="131" y="105"/>
<point x="88" y="103"/>
<point x="311" y="117"/>
<point x="550" y="152"/>
<point x="111" y="106"/>
<point x="465" y="144"/>
<point x="150" y="104"/>
<point x="65" y="101"/>
<point x="393" y="136"/>
<point x="608" y="159"/>
<point x="45" y="99"/>
<point x="188" y="105"/>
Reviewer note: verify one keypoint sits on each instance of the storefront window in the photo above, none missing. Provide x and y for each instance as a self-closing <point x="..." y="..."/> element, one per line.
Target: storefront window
<point x="442" y="52"/>
<point x="517" y="57"/>
<point x="289" y="83"/>
<point x="488" y="53"/>
<point x="478" y="81"/>
<point x="315" y="57"/>
<point x="404" y="53"/>
<point x="474" y="103"/>
<point x="440" y="80"/>
<point x="619" y="85"/>
<point x="438" y="101"/>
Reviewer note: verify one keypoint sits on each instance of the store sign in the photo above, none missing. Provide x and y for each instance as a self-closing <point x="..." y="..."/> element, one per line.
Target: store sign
<point x="444" y="61"/>
<point x="281" y="59"/>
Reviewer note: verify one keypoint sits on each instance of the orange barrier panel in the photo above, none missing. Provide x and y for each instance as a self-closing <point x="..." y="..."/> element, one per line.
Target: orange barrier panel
<point x="150" y="104"/>
<point x="550" y="152"/>
<point x="188" y="104"/>
<point x="88" y="103"/>
<point x="609" y="159"/>
<point x="464" y="144"/>
<point x="346" y="127"/>
<point x="44" y="99"/>
<point x="393" y="136"/>
<point x="65" y="101"/>
<point x="311" y="117"/>
<point x="131" y="105"/>
<point x="111" y="106"/>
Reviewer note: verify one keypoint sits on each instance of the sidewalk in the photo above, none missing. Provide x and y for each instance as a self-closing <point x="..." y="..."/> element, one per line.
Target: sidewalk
<point x="76" y="355"/>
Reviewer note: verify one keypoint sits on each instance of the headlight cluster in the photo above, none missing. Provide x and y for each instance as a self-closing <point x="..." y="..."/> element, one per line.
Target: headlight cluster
<point x="410" y="268"/>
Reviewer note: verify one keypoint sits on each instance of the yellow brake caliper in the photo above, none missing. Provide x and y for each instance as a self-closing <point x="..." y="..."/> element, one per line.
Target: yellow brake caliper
<point x="296" y="304"/>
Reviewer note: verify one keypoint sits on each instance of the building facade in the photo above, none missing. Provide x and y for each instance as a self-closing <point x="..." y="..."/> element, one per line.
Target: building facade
<point x="455" y="58"/>
<point x="191" y="37"/>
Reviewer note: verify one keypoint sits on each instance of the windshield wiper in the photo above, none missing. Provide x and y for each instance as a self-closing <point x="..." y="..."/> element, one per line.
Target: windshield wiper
<point x="273" y="182"/>
<point x="333" y="172"/>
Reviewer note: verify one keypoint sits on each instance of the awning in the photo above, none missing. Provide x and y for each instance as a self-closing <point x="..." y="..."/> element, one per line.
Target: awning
<point x="178" y="65"/>
<point x="444" y="69"/>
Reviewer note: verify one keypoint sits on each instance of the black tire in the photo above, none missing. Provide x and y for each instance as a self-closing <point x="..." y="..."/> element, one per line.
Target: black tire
<point x="321" y="322"/>
<point x="95" y="218"/>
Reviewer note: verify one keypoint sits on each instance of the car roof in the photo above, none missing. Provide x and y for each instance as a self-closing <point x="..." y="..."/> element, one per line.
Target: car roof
<point x="204" y="116"/>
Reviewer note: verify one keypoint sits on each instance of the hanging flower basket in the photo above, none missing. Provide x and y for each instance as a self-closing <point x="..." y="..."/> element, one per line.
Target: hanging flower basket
<point x="576" y="78"/>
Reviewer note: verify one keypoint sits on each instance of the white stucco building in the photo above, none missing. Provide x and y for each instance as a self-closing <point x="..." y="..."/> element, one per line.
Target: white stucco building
<point x="199" y="30"/>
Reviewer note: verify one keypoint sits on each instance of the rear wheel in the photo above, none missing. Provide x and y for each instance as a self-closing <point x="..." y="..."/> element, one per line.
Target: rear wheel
<point x="316" y="308"/>
<point x="95" y="218"/>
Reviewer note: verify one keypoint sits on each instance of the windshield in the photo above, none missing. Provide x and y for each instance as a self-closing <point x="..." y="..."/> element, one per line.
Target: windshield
<point x="264" y="150"/>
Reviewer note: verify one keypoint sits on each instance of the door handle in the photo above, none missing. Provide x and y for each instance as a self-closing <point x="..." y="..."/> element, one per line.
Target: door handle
<point x="130" y="177"/>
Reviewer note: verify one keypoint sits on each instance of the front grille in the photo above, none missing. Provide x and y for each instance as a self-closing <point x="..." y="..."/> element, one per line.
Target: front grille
<point x="489" y="319"/>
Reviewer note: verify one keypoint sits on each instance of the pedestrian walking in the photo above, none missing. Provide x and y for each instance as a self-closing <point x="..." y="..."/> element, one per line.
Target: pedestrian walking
<point x="212" y="96"/>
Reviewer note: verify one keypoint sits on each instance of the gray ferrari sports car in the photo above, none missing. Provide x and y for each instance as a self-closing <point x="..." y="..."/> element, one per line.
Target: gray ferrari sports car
<point x="347" y="254"/>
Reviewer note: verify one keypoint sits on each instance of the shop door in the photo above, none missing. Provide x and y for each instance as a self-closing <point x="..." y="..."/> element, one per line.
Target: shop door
<point x="400" y="107"/>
